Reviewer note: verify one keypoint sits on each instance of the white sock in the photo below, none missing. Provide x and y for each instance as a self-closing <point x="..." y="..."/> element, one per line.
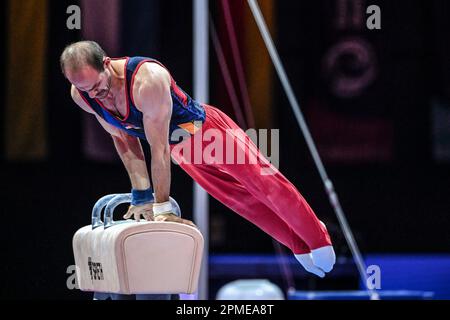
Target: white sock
<point x="324" y="258"/>
<point x="307" y="262"/>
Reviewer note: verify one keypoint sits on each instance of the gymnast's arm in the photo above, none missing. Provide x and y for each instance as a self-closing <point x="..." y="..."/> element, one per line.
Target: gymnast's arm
<point x="151" y="94"/>
<point x="128" y="147"/>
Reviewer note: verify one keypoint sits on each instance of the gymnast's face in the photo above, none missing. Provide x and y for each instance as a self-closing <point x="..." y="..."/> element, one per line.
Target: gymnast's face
<point x="96" y="84"/>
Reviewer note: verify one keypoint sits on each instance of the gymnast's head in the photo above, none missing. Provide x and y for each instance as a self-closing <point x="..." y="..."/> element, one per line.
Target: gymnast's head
<point x="86" y="65"/>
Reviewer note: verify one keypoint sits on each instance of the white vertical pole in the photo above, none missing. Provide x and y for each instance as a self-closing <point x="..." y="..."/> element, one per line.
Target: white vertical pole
<point x="201" y="94"/>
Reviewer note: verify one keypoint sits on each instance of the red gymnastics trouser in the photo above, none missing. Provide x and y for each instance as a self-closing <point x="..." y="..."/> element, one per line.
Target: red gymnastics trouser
<point x="269" y="201"/>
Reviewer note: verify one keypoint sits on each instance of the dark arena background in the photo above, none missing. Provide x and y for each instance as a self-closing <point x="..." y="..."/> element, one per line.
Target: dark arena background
<point x="377" y="102"/>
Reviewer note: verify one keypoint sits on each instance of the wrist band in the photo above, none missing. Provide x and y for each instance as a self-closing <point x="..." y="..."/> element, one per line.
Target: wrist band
<point x="162" y="208"/>
<point x="139" y="197"/>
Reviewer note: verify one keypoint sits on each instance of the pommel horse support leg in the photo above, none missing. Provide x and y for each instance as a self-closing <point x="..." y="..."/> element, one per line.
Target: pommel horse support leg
<point x="129" y="257"/>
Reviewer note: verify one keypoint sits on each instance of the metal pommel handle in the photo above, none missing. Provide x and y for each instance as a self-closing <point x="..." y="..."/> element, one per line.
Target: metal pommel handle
<point x="126" y="198"/>
<point x="97" y="210"/>
<point x="113" y="204"/>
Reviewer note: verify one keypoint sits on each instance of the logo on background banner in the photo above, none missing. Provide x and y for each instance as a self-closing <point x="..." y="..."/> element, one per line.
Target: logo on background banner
<point x="350" y="65"/>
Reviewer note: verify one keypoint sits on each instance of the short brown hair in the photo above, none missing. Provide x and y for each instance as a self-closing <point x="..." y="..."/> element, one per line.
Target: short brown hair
<point x="82" y="53"/>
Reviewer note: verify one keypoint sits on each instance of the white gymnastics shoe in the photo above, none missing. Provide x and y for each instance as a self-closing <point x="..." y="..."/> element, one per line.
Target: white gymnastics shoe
<point x="319" y="261"/>
<point x="324" y="258"/>
<point x="307" y="262"/>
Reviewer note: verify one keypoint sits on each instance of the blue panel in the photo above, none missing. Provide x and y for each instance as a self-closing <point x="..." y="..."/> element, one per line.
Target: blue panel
<point x="402" y="276"/>
<point x="239" y="266"/>
<point x="359" y="295"/>
<point x="414" y="272"/>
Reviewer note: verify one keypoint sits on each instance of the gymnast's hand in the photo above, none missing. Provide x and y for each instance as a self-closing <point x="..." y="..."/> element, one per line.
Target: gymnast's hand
<point x="145" y="210"/>
<point x="165" y="212"/>
<point x="170" y="217"/>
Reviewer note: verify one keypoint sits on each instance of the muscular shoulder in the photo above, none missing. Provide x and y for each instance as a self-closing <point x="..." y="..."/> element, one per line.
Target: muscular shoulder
<point x="152" y="73"/>
<point x="151" y="82"/>
<point x="79" y="100"/>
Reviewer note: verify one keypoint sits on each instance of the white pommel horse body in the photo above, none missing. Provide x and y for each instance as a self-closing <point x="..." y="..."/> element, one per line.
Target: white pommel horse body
<point x="129" y="257"/>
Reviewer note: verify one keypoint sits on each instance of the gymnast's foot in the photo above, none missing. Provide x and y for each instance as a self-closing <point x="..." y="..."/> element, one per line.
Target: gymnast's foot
<point x="307" y="262"/>
<point x="319" y="261"/>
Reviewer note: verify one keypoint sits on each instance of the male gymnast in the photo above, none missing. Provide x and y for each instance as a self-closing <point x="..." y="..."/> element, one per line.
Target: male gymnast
<point x="136" y="98"/>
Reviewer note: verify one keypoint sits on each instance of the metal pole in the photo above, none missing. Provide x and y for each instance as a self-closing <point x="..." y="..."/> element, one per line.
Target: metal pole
<point x="201" y="93"/>
<point x="334" y="200"/>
